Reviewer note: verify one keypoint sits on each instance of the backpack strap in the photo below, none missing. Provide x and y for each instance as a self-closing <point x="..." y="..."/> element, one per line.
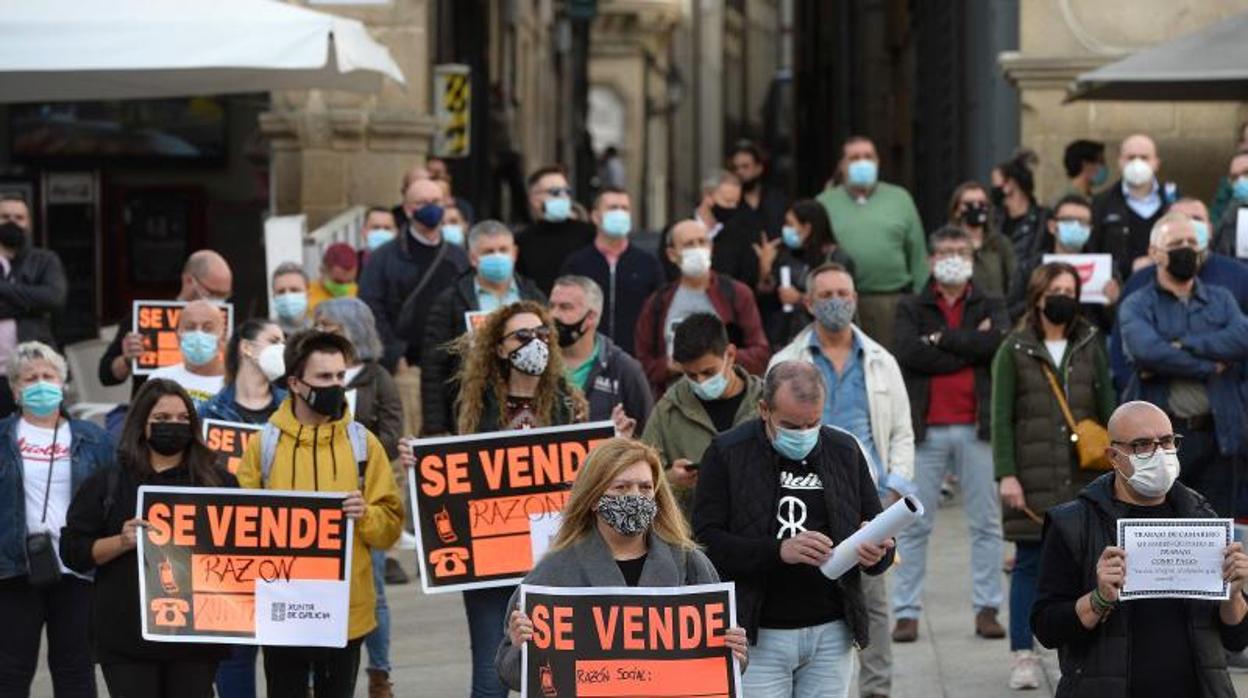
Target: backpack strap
<point x="269" y="436"/>
<point x="357" y="434"/>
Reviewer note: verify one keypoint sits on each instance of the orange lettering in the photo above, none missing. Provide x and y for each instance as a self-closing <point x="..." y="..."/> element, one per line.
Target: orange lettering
<point x="715" y="625"/>
<point x="158" y="518"/>
<point x="457" y="473"/>
<point x="245" y="527"/>
<point x="633" y="629"/>
<point x="606" y="631"/>
<point x="331" y="523"/>
<point x="184" y="524"/>
<point x="690" y="627"/>
<point x="546" y="464"/>
<point x="541" y="629"/>
<point x="302" y="528"/>
<point x="518" y="466"/>
<point x="433" y="484"/>
<point x="493" y="467"/>
<point x="219" y="523"/>
<point x="661" y="628"/>
<point x="273" y="526"/>
<point x="563" y="628"/>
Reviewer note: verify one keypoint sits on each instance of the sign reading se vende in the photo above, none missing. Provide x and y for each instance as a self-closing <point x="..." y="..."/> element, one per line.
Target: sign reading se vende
<point x="476" y="500"/>
<point x="157" y="323"/>
<point x="228" y="440"/>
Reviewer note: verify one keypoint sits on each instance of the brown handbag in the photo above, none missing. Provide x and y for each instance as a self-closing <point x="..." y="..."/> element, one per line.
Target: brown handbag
<point x="1090" y="438"/>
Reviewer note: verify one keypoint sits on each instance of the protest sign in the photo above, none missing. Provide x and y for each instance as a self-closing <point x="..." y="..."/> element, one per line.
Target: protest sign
<point x="629" y="641"/>
<point x="228" y="440"/>
<point x="474" y="319"/>
<point x="473" y="498"/>
<point x="1095" y="270"/>
<point x="157" y="323"/>
<point x="1174" y="558"/>
<point x="244" y="567"/>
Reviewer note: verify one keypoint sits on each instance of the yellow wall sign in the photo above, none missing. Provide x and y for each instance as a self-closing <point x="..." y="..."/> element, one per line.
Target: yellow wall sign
<point x="452" y="89"/>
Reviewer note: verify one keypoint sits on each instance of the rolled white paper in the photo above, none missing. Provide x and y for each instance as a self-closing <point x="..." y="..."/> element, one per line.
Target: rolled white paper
<point x="888" y="524"/>
<point x="786" y="279"/>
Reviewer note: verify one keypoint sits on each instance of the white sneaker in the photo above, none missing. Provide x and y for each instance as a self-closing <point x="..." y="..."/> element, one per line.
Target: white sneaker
<point x="1024" y="671"/>
<point x="407" y="541"/>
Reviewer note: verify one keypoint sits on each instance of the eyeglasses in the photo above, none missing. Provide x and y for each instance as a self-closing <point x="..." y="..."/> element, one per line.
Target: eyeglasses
<point x="559" y="191"/>
<point x="528" y="334"/>
<point x="1145" y="448"/>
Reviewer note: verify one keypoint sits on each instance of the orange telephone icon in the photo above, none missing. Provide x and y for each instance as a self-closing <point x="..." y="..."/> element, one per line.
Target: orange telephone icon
<point x="449" y="562"/>
<point x="170" y="613"/>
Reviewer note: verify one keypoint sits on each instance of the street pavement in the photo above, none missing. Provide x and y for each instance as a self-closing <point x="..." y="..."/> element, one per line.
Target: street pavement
<point x="429" y="637"/>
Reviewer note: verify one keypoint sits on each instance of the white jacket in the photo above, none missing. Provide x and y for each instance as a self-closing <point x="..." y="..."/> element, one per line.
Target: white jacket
<point x="888" y="403"/>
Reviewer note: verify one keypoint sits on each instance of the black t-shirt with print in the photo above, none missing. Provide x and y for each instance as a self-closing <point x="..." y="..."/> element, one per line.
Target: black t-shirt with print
<point x="723" y="412"/>
<point x="799" y="596"/>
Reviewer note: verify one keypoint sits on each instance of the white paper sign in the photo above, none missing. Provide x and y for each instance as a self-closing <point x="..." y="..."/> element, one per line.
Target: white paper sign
<point x="542" y="531"/>
<point x="1241" y="232"/>
<point x="1095" y="270"/>
<point x="303" y="613"/>
<point x="786" y="280"/>
<point x="1174" y="558"/>
<point x="887" y="524"/>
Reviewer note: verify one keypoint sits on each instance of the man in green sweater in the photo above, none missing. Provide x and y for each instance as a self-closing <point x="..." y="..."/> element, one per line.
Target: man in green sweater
<point x="878" y="226"/>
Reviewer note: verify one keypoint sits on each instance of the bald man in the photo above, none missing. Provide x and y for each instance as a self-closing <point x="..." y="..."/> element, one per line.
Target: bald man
<point x="401" y="278"/>
<point x="1125" y="212"/>
<point x="201" y="335"/>
<point x="1148" y="647"/>
<point x="698" y="290"/>
<point x="205" y="276"/>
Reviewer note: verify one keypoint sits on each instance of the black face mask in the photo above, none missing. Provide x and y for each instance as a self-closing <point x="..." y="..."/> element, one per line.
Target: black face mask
<point x="1182" y="263"/>
<point x="1060" y="309"/>
<point x="750" y="184"/>
<point x="327" y="400"/>
<point x="722" y="214"/>
<point x="976" y="215"/>
<point x="170" y="438"/>
<point x="998" y="196"/>
<point x="570" y="334"/>
<point x="12" y="236"/>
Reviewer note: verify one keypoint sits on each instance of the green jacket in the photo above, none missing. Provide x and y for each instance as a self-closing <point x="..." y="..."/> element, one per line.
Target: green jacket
<point x="996" y="266"/>
<point x="680" y="428"/>
<point x="1030" y="437"/>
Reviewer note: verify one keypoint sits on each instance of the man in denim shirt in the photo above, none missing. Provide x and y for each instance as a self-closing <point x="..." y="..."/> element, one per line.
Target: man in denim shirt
<point x="1187" y="341"/>
<point x="866" y="397"/>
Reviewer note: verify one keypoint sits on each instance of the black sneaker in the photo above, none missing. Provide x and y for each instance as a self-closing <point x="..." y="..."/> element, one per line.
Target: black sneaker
<point x="394" y="572"/>
<point x="1237" y="662"/>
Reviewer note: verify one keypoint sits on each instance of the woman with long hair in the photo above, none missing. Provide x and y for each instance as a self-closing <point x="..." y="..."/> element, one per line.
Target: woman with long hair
<point x="509" y="379"/>
<point x="621" y="527"/>
<point x="159" y="445"/>
<point x="253" y="366"/>
<point x="47" y="457"/>
<point x="1036" y="464"/>
<point x="996" y="267"/>
<point x="1020" y="218"/>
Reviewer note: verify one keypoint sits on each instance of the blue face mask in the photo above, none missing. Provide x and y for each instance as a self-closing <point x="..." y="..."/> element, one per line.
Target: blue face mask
<point x="290" y="306"/>
<point x="198" y="348"/>
<point x="1239" y="188"/>
<point x="862" y="173"/>
<point x="712" y="388"/>
<point x="557" y="209"/>
<point x="795" y="444"/>
<point x="429" y="215"/>
<point x="1102" y="174"/>
<point x="1073" y="235"/>
<point x="453" y="233"/>
<point x="496" y="267"/>
<point x="1202" y="234"/>
<point x="792" y="239"/>
<point x="42" y="398"/>
<point x="617" y="223"/>
<point x="378" y="237"/>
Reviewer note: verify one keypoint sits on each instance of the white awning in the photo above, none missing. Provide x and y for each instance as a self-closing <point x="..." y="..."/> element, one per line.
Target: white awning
<point x="59" y="50"/>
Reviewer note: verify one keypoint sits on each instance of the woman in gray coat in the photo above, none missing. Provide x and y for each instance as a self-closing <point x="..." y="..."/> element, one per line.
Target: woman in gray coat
<point x="621" y="527"/>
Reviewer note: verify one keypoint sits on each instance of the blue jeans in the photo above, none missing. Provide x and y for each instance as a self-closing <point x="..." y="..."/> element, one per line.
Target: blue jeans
<point x="801" y="663"/>
<point x="1023" y="594"/>
<point x="378" y="642"/>
<point x="959" y="445"/>
<point x="487" y="611"/>
<point x="236" y="674"/>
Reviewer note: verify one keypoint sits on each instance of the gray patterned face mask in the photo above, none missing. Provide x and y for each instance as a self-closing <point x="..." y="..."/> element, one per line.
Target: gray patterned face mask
<point x="531" y="358"/>
<point x="630" y="514"/>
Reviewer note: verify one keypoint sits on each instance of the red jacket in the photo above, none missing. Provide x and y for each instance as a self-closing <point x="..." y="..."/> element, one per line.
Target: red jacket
<point x="735" y="305"/>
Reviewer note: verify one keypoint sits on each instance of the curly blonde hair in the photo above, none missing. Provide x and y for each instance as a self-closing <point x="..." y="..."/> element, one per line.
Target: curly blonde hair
<point x="482" y="372"/>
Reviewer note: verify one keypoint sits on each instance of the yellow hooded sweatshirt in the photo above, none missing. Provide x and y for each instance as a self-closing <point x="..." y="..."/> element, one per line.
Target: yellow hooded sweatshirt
<point x="319" y="459"/>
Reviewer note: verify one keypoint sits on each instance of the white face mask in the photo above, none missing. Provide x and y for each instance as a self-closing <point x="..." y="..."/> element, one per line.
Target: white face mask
<point x="953" y="270"/>
<point x="1155" y="474"/>
<point x="695" y="262"/>
<point x="1137" y="172"/>
<point x="272" y="362"/>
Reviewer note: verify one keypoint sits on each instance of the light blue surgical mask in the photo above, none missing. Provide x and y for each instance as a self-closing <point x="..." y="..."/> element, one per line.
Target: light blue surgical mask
<point x="712" y="388"/>
<point x="792" y="238"/>
<point x="453" y="233"/>
<point x="862" y="173"/>
<point x="495" y="267"/>
<point x="617" y="223"/>
<point x="42" y="398"/>
<point x="795" y="444"/>
<point x="557" y="209"/>
<point x="1073" y="235"/>
<point x="198" y="348"/>
<point x="1102" y="174"/>
<point x="290" y="306"/>
<point x="1239" y="188"/>
<point x="378" y="237"/>
<point x="1202" y="234"/>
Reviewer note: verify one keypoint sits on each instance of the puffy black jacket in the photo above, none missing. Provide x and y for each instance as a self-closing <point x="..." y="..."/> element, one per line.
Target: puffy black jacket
<point x="920" y="316"/>
<point x="617" y="379"/>
<point x="444" y="323"/>
<point x="734" y="514"/>
<point x="32" y="291"/>
<point x="625" y="287"/>
<point x="1096" y="663"/>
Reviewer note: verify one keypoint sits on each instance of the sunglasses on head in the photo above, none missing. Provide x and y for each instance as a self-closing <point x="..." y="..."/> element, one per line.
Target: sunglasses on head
<point x="528" y="334"/>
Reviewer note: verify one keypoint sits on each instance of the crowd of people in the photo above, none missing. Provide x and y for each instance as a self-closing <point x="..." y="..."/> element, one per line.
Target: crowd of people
<point x="777" y="371"/>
